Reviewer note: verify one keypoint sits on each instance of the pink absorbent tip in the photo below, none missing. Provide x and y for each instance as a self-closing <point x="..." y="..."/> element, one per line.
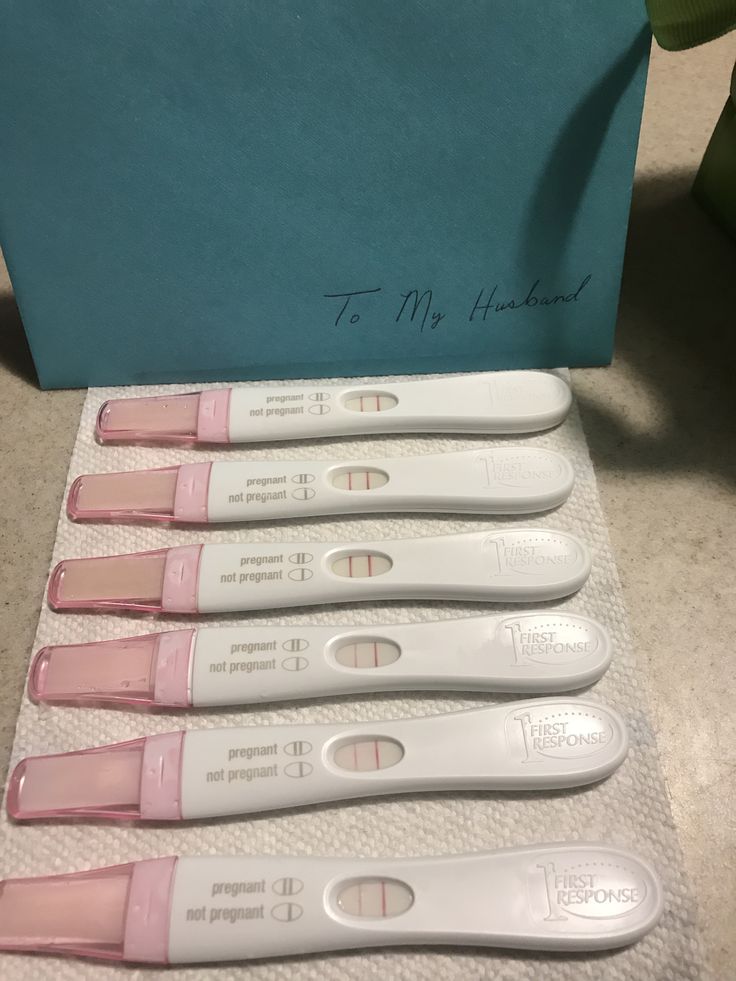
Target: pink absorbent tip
<point x="169" y="494"/>
<point x="117" y="913"/>
<point x="164" y="580"/>
<point x="136" y="779"/>
<point x="197" y="417"/>
<point x="150" y="670"/>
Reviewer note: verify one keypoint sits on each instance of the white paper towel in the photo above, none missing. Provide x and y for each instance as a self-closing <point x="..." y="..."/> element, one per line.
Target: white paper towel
<point x="629" y="809"/>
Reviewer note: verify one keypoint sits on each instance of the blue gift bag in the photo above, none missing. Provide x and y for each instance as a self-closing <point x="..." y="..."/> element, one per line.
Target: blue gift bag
<point x="238" y="189"/>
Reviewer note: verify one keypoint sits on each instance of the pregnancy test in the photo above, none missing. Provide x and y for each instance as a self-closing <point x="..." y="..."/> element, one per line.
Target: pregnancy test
<point x="506" y="480"/>
<point x="492" y="402"/>
<point x="552" y="897"/>
<point x="536" y="653"/>
<point x="514" y="565"/>
<point x="540" y="744"/>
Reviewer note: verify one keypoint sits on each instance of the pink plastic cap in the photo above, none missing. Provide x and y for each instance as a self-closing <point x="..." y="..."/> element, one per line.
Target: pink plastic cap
<point x="171" y="418"/>
<point x="168" y="494"/>
<point x="152" y="582"/>
<point x="141" y="494"/>
<point x="136" y="779"/>
<point x="149" y="911"/>
<point x="133" y="582"/>
<point x="213" y="419"/>
<point x="139" y="671"/>
<point x="116" y="913"/>
<point x="192" y="490"/>
<point x="181" y="579"/>
<point x="197" y="417"/>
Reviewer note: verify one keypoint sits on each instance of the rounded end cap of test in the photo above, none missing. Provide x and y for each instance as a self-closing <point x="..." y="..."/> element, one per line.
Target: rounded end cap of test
<point x="591" y="896"/>
<point x="72" y="508"/>
<point x="37" y="674"/>
<point x="53" y="593"/>
<point x="15" y="783"/>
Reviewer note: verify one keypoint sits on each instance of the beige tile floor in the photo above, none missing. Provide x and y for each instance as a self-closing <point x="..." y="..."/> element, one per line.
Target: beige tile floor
<point x="661" y="426"/>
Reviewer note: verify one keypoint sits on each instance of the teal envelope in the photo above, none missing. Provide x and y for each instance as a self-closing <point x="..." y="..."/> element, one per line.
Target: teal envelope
<point x="214" y="190"/>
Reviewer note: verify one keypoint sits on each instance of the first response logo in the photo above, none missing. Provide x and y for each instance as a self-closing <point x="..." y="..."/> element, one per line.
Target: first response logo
<point x="560" y="732"/>
<point x="595" y="889"/>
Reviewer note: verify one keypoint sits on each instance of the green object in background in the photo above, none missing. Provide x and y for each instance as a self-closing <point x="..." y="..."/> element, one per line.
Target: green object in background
<point x="715" y="185"/>
<point x="680" y="24"/>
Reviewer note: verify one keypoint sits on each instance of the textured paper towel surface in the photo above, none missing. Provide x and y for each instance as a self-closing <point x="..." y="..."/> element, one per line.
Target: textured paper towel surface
<point x="629" y="809"/>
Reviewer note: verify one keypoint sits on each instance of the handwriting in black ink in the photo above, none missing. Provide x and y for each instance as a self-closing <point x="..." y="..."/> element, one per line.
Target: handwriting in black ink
<point x="354" y="317"/>
<point x="416" y="300"/>
<point x="420" y="309"/>
<point x="530" y="300"/>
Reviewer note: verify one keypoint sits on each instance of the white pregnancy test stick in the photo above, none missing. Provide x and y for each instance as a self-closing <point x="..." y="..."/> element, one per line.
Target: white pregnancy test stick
<point x="540" y="744"/>
<point x="506" y="480"/>
<point x="536" y="653"/>
<point x="514" y="565"/>
<point x="573" y="896"/>
<point x="493" y="402"/>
